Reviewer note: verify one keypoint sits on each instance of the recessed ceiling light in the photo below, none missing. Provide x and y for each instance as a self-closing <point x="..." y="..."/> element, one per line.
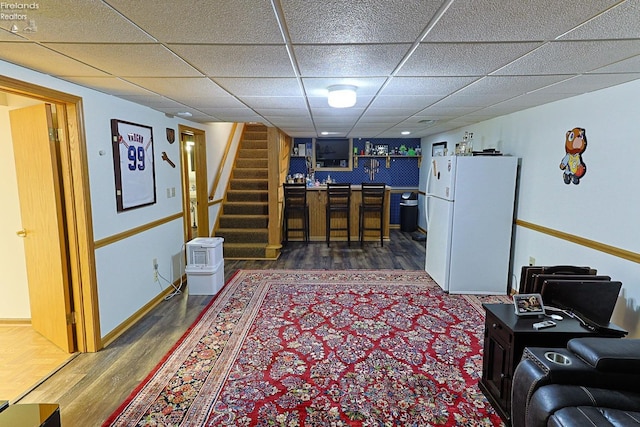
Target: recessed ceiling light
<point x="405" y="132"/>
<point x="184" y="114"/>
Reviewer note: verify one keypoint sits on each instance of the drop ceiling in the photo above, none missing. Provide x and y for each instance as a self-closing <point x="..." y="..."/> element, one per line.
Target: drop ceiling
<point x="423" y="66"/>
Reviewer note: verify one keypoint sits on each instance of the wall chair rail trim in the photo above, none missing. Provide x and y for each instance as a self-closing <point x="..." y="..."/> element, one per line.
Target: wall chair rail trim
<point x="602" y="247"/>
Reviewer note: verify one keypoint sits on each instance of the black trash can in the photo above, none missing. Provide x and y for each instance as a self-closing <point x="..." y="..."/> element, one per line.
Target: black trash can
<point x="409" y="212"/>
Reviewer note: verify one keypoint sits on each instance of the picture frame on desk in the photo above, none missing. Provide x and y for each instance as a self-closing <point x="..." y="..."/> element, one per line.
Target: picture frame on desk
<point x="528" y="304"/>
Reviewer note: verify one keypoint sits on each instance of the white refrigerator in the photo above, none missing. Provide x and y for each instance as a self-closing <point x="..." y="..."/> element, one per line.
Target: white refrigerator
<point x="469" y="206"/>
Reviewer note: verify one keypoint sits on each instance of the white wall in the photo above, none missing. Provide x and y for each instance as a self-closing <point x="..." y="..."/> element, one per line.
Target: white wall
<point x="604" y="207"/>
<point x="217" y="136"/>
<point x="124" y="268"/>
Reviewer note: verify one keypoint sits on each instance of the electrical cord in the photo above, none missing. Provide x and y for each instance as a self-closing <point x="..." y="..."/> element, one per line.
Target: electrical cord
<point x="176" y="289"/>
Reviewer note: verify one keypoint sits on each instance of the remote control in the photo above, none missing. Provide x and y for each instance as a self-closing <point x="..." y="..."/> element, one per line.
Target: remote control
<point x="545" y="324"/>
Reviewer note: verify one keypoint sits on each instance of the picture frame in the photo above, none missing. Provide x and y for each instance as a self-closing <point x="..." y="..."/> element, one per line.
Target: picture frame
<point x="133" y="164"/>
<point x="302" y="150"/>
<point x="382" y="150"/>
<point x="439" y="149"/>
<point x="528" y="304"/>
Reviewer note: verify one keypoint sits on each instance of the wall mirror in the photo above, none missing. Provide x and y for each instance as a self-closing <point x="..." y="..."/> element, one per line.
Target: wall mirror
<point x="333" y="154"/>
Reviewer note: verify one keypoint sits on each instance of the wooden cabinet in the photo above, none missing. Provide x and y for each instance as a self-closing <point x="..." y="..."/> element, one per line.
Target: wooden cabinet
<point x="317" y="200"/>
<point x="496" y="370"/>
<point x="505" y="337"/>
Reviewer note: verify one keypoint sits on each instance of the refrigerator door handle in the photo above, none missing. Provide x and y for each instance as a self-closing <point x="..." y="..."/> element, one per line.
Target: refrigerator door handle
<point x="427" y="195"/>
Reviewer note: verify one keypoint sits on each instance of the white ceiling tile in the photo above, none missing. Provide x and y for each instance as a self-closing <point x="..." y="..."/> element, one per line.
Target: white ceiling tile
<point x="204" y="21"/>
<point x="213" y="101"/>
<point x="417" y="102"/>
<point x="588" y="83"/>
<point x="508" y="20"/>
<point x="390" y="112"/>
<point x="631" y="65"/>
<point x="128" y="60"/>
<point x="155" y="101"/>
<point x="184" y="88"/>
<point x="477" y="100"/>
<point x="349" y="60"/>
<point x="619" y="22"/>
<point x="572" y="57"/>
<point x="111" y="85"/>
<point x="276" y="86"/>
<point x="288" y="113"/>
<point x="425" y="85"/>
<point x="338" y="113"/>
<point x="237" y="60"/>
<point x="260" y="102"/>
<point x="509" y="86"/>
<point x="368" y="21"/>
<point x="36" y="57"/>
<point x="89" y="21"/>
<point x="460" y="59"/>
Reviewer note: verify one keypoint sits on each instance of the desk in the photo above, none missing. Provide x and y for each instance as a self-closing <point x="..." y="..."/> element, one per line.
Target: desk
<point x="317" y="200"/>
<point x="505" y="337"/>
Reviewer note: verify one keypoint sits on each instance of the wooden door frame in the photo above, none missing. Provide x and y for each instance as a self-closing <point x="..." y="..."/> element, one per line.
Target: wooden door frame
<point x="75" y="177"/>
<point x="202" y="192"/>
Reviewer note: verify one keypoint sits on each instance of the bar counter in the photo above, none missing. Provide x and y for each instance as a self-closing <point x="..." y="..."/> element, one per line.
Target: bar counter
<point x="317" y="200"/>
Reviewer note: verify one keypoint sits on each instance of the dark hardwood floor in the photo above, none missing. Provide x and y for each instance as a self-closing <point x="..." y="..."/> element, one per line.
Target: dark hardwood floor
<point x="91" y="386"/>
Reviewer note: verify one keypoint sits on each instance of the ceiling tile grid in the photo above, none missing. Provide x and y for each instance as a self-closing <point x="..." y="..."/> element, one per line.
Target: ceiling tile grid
<point x="424" y="66"/>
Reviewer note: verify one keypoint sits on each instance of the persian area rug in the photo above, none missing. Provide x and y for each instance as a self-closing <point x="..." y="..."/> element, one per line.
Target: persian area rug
<point x="322" y="348"/>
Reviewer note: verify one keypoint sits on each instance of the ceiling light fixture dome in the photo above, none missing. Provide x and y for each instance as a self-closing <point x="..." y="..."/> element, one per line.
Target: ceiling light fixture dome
<point x="342" y="96"/>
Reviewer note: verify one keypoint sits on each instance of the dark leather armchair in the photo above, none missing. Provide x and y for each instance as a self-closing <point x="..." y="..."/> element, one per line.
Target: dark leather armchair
<point x="593" y="382"/>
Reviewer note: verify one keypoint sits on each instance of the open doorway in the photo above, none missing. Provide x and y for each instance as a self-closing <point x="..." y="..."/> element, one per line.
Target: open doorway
<point x="194" y="182"/>
<point x="58" y="319"/>
<point x="60" y="115"/>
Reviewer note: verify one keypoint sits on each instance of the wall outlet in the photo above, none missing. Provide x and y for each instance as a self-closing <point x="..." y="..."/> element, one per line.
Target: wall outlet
<point x="532" y="261"/>
<point x="155" y="269"/>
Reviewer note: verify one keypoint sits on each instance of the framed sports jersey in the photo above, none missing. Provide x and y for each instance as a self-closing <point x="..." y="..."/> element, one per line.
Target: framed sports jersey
<point x="133" y="164"/>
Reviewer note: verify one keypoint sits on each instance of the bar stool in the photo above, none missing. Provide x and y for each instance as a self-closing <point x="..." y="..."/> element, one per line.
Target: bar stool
<point x="372" y="203"/>
<point x="338" y="201"/>
<point x="295" y="205"/>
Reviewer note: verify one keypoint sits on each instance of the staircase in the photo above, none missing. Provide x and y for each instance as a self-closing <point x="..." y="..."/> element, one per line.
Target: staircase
<point x="244" y="220"/>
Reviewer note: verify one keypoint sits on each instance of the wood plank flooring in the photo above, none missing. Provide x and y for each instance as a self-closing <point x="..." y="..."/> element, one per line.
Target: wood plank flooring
<point x="91" y="386"/>
<point x="26" y="358"/>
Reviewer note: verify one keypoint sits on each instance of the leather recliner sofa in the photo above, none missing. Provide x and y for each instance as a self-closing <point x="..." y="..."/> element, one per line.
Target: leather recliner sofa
<point x="592" y="382"/>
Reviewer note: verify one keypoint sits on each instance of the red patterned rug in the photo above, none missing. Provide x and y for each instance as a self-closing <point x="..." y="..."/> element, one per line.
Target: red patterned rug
<point x="322" y="348"/>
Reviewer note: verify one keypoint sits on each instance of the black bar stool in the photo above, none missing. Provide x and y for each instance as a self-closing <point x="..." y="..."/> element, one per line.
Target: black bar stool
<point x="295" y="205"/>
<point x="372" y="203"/>
<point x="338" y="201"/>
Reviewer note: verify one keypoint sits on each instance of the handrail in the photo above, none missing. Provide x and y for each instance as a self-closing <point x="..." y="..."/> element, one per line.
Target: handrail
<point x="223" y="161"/>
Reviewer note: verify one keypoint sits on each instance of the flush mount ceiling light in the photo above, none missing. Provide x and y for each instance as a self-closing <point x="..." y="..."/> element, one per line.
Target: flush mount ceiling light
<point x="342" y="96"/>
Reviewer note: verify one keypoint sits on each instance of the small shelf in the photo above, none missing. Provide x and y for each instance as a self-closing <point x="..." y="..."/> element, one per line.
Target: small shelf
<point x="388" y="157"/>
